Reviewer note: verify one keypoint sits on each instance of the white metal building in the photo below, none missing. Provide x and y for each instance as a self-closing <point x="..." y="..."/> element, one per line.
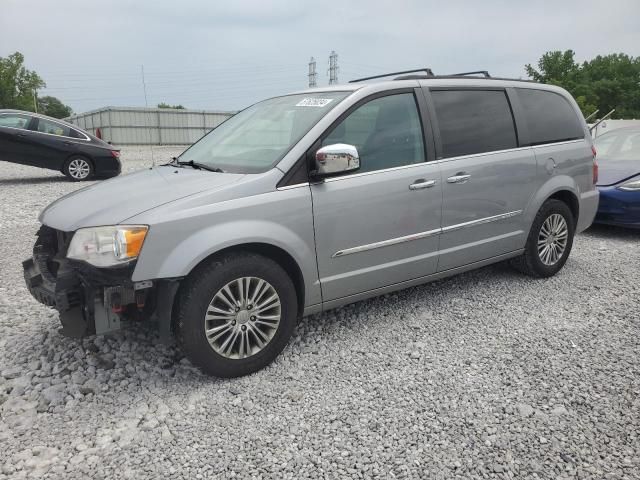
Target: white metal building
<point x="149" y="126"/>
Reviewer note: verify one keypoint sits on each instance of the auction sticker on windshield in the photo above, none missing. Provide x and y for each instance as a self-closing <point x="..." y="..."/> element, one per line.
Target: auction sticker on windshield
<point x="314" y="102"/>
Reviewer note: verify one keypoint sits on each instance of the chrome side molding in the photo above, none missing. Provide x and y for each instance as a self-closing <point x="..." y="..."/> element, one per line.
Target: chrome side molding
<point x="386" y="243"/>
<point x="421" y="235"/>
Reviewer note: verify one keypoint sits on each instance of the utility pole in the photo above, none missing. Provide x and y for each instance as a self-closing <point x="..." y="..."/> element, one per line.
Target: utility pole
<point x="333" y="68"/>
<point x="312" y="73"/>
<point x="146" y="104"/>
<point x="35" y="101"/>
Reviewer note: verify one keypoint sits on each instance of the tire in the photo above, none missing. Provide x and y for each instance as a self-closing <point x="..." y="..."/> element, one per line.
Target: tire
<point x="78" y="168"/>
<point x="200" y="292"/>
<point x="533" y="262"/>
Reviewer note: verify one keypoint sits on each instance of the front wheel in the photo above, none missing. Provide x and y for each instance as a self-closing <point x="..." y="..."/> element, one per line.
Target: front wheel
<point x="549" y="242"/>
<point x="78" y="169"/>
<point x="236" y="314"/>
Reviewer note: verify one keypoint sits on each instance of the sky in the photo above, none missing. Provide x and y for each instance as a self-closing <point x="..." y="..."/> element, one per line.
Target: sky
<point x="225" y="55"/>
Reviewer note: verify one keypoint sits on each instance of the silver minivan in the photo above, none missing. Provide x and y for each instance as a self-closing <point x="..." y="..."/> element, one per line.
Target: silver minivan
<point x="313" y="200"/>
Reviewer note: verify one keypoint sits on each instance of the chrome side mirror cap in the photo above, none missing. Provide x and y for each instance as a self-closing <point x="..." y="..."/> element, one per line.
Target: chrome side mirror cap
<point x="337" y="158"/>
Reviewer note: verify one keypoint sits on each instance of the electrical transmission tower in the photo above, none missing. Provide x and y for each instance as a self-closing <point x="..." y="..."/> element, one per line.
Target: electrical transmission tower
<point x="312" y="73"/>
<point x="333" y="68"/>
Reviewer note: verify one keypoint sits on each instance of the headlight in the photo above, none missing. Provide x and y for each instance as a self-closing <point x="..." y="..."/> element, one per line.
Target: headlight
<point x="107" y="246"/>
<point x="632" y="186"/>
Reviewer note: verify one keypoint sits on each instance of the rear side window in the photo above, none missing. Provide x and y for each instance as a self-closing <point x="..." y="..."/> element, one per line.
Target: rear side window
<point x="474" y="121"/>
<point x="52" y="128"/>
<point x="76" y="134"/>
<point x="549" y="116"/>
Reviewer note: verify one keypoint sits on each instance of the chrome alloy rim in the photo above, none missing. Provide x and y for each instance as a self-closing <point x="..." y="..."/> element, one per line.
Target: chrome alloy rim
<point x="552" y="239"/>
<point x="79" y="168"/>
<point x="243" y="317"/>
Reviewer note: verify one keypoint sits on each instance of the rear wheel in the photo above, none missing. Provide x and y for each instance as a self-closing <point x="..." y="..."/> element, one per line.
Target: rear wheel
<point x="549" y="242"/>
<point x="236" y="314"/>
<point x="78" y="169"/>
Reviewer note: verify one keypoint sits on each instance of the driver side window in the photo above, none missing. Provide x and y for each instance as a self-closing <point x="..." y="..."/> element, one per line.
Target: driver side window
<point x="386" y="131"/>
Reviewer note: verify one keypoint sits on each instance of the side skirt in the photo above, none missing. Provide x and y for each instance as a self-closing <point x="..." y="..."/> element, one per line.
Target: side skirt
<point x="339" y="302"/>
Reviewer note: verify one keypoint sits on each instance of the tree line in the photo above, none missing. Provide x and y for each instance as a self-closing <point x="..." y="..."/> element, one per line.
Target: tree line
<point x="603" y="83"/>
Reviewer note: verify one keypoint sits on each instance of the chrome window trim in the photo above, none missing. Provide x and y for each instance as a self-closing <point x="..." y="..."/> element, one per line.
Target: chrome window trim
<point x="449" y="159"/>
<point x="421" y="235"/>
<point x="391" y="169"/>
<point x="39" y="117"/>
<point x="296" y="185"/>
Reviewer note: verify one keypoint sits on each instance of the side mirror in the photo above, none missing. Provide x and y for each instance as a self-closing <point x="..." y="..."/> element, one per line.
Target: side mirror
<point x="337" y="158"/>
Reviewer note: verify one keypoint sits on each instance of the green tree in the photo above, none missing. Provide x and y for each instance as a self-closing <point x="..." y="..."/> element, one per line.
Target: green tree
<point x="603" y="83"/>
<point x="53" y="107"/>
<point x="166" y="105"/>
<point x="17" y="84"/>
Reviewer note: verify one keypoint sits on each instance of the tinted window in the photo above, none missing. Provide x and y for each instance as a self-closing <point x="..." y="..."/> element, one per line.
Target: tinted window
<point x="14" y="120"/>
<point x="386" y="131"/>
<point x="474" y="121"/>
<point x="549" y="116"/>
<point x="53" y="128"/>
<point x="76" y="134"/>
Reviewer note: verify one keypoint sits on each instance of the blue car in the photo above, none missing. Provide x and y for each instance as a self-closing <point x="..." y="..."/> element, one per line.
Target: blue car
<point x="619" y="177"/>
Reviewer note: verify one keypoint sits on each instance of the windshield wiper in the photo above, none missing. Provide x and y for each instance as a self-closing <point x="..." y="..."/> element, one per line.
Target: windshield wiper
<point x="199" y="166"/>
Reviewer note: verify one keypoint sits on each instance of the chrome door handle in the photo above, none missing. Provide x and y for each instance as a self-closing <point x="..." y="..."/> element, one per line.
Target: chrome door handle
<point x="421" y="183"/>
<point x="458" y="178"/>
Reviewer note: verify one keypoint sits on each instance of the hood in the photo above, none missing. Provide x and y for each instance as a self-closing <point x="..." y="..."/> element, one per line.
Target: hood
<point x="611" y="172"/>
<point x="113" y="201"/>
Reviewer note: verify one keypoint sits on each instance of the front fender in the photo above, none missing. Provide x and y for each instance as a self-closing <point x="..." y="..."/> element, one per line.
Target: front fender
<point x="283" y="219"/>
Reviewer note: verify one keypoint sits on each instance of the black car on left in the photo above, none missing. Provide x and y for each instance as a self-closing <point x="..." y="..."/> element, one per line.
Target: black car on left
<point x="37" y="140"/>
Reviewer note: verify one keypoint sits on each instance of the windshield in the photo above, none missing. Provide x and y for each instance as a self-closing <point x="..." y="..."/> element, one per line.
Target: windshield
<point x="257" y="138"/>
<point x="619" y="145"/>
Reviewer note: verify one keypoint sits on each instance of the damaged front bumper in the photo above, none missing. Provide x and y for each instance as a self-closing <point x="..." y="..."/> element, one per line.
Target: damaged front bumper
<point x="93" y="300"/>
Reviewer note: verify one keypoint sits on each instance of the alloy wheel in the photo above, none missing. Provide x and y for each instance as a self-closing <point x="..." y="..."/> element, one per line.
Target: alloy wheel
<point x="552" y="239"/>
<point x="243" y="317"/>
<point x="79" y="168"/>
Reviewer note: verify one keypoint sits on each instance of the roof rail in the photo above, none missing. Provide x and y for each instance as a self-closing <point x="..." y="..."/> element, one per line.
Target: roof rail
<point x="428" y="71"/>
<point x="484" y="73"/>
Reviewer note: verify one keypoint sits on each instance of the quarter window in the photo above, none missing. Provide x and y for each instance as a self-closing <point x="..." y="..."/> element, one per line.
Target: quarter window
<point x="53" y="128"/>
<point x="474" y="121"/>
<point x="14" y="120"/>
<point x="386" y="131"/>
<point x="549" y="116"/>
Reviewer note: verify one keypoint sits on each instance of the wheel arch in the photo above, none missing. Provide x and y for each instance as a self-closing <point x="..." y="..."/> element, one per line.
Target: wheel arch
<point x="561" y="187"/>
<point x="273" y="252"/>
<point x="570" y="199"/>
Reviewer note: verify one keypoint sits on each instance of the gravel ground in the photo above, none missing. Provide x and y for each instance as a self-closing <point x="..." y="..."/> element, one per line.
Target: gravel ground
<point x="489" y="374"/>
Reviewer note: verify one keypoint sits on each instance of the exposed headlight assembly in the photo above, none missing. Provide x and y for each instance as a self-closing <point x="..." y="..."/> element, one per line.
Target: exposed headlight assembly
<point x="632" y="186"/>
<point x="107" y="246"/>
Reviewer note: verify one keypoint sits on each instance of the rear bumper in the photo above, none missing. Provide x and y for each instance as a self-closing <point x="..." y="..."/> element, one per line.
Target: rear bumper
<point x="107" y="166"/>
<point x="618" y="207"/>
<point x="587" y="210"/>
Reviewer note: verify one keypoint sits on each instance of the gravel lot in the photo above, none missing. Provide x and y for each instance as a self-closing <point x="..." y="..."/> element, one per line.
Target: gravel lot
<point x="486" y="375"/>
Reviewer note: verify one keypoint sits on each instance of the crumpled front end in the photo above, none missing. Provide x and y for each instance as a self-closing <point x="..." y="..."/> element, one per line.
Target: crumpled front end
<point x="90" y="300"/>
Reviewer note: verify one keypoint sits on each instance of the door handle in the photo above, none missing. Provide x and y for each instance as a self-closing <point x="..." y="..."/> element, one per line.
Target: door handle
<point x="21" y="134"/>
<point x="459" y="177"/>
<point x="422" y="183"/>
